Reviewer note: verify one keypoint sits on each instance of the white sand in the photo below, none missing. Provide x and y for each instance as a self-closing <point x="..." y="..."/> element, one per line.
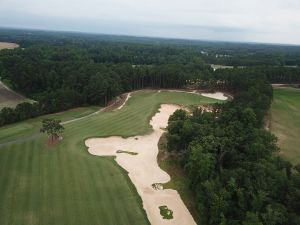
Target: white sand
<point x="216" y="95"/>
<point x="143" y="169"/>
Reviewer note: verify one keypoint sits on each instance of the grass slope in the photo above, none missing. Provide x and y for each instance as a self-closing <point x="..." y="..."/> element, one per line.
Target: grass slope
<point x="9" y="98"/>
<point x="64" y="184"/>
<point x="285" y="122"/>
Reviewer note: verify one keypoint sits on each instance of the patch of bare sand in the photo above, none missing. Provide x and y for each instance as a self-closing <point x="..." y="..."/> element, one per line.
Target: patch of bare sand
<point x="143" y="169"/>
<point x="216" y="95"/>
<point x="6" y="45"/>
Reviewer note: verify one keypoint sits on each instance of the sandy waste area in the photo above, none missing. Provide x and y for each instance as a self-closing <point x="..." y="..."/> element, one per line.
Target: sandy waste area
<point x="143" y="169"/>
<point x="217" y="95"/>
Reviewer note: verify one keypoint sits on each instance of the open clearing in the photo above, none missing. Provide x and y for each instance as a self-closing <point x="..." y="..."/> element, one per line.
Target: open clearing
<point x="9" y="98"/>
<point x="7" y="45"/>
<point x="216" y="67"/>
<point x="285" y="122"/>
<point x="64" y="184"/>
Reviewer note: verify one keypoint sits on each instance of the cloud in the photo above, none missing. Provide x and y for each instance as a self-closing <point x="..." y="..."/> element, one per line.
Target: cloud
<point x="232" y="20"/>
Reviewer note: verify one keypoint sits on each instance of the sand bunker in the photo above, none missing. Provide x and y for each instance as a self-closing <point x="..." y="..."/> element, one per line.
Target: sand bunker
<point x="143" y="169"/>
<point x="216" y="95"/>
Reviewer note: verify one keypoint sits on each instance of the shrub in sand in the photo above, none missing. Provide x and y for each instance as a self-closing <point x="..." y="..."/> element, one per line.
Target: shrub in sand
<point x="127" y="152"/>
<point x="165" y="212"/>
<point x="53" y="128"/>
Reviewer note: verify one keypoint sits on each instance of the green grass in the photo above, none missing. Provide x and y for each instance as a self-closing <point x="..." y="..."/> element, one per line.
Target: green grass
<point x="285" y="122"/>
<point x="32" y="126"/>
<point x="64" y="184"/>
<point x="165" y="212"/>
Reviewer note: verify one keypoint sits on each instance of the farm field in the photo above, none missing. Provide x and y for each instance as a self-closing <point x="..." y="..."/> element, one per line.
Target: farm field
<point x="7" y="45"/>
<point x="285" y="122"/>
<point x="64" y="184"/>
<point x="9" y="98"/>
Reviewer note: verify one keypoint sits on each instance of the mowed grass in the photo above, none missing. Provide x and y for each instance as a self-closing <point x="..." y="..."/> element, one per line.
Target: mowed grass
<point x="285" y="122"/>
<point x="32" y="126"/>
<point x="64" y="184"/>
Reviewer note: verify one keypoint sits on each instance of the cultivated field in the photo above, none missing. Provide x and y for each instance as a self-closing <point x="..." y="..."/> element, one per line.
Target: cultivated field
<point x="285" y="122"/>
<point x="9" y="98"/>
<point x="6" y="45"/>
<point x="64" y="184"/>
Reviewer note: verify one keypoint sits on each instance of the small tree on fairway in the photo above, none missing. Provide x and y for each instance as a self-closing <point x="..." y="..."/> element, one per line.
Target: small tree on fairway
<point x="52" y="127"/>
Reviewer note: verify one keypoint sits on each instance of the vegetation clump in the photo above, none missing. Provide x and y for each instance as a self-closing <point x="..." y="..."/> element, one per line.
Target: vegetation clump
<point x="157" y="186"/>
<point x="166" y="213"/>
<point x="127" y="152"/>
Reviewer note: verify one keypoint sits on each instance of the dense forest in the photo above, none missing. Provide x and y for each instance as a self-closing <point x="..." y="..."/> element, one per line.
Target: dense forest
<point x="232" y="161"/>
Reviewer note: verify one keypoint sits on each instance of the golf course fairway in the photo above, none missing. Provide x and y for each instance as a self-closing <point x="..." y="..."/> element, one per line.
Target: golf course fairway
<point x="64" y="184"/>
<point x="285" y="122"/>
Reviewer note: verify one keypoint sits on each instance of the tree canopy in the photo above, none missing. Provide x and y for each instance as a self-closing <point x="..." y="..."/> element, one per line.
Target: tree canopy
<point x="52" y="127"/>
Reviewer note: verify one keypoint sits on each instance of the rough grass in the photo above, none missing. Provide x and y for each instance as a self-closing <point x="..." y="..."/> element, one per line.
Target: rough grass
<point x="285" y="122"/>
<point x="64" y="184"/>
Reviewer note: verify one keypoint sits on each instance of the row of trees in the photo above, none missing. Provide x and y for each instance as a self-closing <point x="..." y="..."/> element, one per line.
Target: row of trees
<point x="140" y="50"/>
<point x="232" y="161"/>
<point x="60" y="71"/>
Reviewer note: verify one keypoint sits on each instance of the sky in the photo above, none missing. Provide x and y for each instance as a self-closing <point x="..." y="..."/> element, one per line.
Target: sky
<point x="266" y="21"/>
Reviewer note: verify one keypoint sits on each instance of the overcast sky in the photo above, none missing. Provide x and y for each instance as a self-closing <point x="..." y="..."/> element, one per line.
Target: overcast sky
<point x="270" y="21"/>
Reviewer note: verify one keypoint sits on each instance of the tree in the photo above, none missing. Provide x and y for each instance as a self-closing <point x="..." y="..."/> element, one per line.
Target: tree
<point x="52" y="127"/>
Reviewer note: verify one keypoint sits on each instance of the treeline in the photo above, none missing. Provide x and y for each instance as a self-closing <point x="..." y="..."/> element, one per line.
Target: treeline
<point x="232" y="162"/>
<point x="65" y="70"/>
<point x="60" y="78"/>
<point x="282" y="75"/>
<point x="142" y="50"/>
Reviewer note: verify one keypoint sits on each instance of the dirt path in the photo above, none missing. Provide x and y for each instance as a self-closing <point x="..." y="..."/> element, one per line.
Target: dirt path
<point x="143" y="169"/>
<point x="127" y="97"/>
